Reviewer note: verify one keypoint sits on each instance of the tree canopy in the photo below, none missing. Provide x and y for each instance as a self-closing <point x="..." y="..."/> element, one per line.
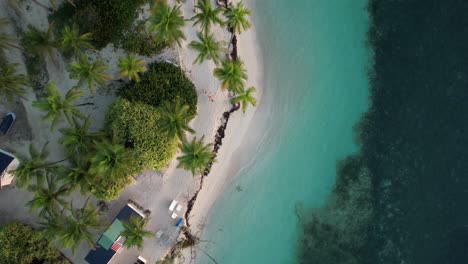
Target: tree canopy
<point x="166" y="23"/>
<point x="207" y="15"/>
<point x="162" y="82"/>
<point x="196" y="156"/>
<point x="136" y="125"/>
<point x="22" y="244"/>
<point x="11" y="83"/>
<point x="207" y="47"/>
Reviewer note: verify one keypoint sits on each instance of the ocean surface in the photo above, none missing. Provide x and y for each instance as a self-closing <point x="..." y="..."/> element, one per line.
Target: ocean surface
<point x="316" y="90"/>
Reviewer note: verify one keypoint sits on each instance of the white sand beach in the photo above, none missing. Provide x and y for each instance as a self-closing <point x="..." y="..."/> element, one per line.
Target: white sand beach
<point x="152" y="190"/>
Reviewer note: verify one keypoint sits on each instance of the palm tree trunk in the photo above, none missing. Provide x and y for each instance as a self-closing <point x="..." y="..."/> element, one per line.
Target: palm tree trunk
<point x="83" y="104"/>
<point x="18" y="48"/>
<point x="51" y="164"/>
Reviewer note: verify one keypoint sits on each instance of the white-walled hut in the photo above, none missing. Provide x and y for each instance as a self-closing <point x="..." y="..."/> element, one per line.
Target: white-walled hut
<point x="8" y="163"/>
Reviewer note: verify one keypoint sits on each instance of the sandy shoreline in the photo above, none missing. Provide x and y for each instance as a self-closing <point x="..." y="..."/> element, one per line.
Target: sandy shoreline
<point x="152" y="190"/>
<point x="236" y="148"/>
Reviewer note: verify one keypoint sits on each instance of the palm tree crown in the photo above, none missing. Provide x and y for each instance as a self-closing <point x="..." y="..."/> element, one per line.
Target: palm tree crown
<point x="11" y="83"/>
<point x="174" y="119"/>
<point x="207" y="47"/>
<point x="245" y="98"/>
<point x="232" y="74"/>
<point x="39" y="42"/>
<point x="134" y="232"/>
<point x="90" y="73"/>
<point x="207" y="15"/>
<point x="56" y="107"/>
<point x="6" y="41"/>
<point x="166" y="23"/>
<point x="130" y="66"/>
<point x="237" y="17"/>
<point x="76" y="227"/>
<point x="72" y="40"/>
<point x="196" y="156"/>
<point x="110" y="160"/>
<point x="76" y="174"/>
<point x="76" y="139"/>
<point x="49" y="199"/>
<point x="35" y="166"/>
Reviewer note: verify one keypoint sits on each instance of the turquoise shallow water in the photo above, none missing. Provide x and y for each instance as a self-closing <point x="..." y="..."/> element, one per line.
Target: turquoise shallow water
<point x="316" y="89"/>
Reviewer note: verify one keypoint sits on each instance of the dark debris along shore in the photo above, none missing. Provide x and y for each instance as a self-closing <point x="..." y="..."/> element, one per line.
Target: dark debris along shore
<point x="221" y="129"/>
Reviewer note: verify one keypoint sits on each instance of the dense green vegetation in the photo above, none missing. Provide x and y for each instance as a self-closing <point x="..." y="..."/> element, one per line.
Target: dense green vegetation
<point x="111" y="167"/>
<point x="138" y="40"/>
<point x="142" y="128"/>
<point x="106" y="20"/>
<point x="22" y="244"/>
<point x="162" y="82"/>
<point x="136" y="125"/>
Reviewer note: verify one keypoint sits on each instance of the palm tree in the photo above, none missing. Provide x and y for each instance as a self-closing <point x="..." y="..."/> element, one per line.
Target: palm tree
<point x="72" y="40"/>
<point x="52" y="225"/>
<point x="76" y="175"/>
<point x="207" y="15"/>
<point x="134" y="232"/>
<point x="56" y="107"/>
<point x="6" y="41"/>
<point x="207" y="47"/>
<point x="76" y="139"/>
<point x="166" y="23"/>
<point x="130" y="66"/>
<point x="90" y="73"/>
<point x="76" y="227"/>
<point x="49" y="199"/>
<point x="245" y="97"/>
<point x="110" y="160"/>
<point x="196" y="156"/>
<point x="35" y="166"/>
<point x="237" y="17"/>
<point x="39" y="42"/>
<point x="232" y="74"/>
<point x="11" y="83"/>
<point x="174" y="119"/>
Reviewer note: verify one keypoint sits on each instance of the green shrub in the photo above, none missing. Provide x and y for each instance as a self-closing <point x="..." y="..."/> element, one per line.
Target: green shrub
<point x="135" y="125"/>
<point x="21" y="244"/>
<point x="137" y="40"/>
<point x="107" y="20"/>
<point x="162" y="82"/>
<point x="105" y="189"/>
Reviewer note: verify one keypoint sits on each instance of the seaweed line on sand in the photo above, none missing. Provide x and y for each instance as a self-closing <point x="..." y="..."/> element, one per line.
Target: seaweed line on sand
<point x="220" y="133"/>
